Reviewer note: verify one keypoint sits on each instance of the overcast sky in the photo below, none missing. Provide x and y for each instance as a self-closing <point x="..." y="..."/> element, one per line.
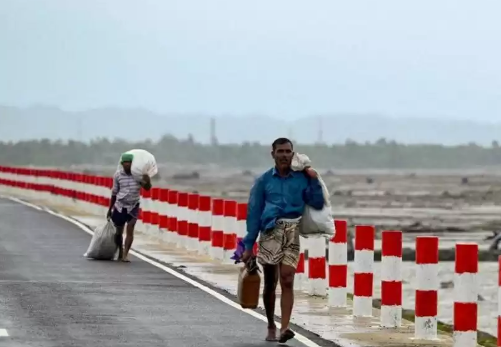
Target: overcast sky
<point x="286" y="58"/>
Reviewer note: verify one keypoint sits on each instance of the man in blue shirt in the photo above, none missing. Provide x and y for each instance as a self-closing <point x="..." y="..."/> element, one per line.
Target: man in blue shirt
<point x="276" y="204"/>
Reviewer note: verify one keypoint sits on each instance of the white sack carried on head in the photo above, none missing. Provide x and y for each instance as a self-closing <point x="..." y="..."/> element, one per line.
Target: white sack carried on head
<point x="143" y="163"/>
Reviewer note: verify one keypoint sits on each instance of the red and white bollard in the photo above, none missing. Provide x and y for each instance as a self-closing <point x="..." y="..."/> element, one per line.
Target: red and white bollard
<point x="204" y="224"/>
<point x="301" y="280"/>
<point x="391" y="279"/>
<point x="338" y="265"/>
<point x="317" y="279"/>
<point x="230" y="230"/>
<point x="163" y="213"/>
<point x="241" y="221"/>
<point x="155" y="215"/>
<point x="182" y="219"/>
<point x="192" y="240"/>
<point x="465" y="295"/>
<point x="364" y="270"/>
<point x="427" y="283"/>
<point x="217" y="238"/>
<point x="146" y="207"/>
<point x="172" y="217"/>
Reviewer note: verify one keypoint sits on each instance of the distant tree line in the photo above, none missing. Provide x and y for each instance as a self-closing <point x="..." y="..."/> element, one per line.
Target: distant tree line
<point x="351" y="155"/>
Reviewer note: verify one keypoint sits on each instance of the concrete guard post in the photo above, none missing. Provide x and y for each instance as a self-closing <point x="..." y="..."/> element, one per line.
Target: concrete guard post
<point x="230" y="230"/>
<point x="182" y="219"/>
<point x="317" y="279"/>
<point x="204" y="225"/>
<point x="172" y="235"/>
<point x="164" y="213"/>
<point x="364" y="270"/>
<point x="192" y="240"/>
<point x="426" y="305"/>
<point x="465" y="295"/>
<point x="155" y="204"/>
<point x="338" y="265"/>
<point x="391" y="279"/>
<point x="301" y="276"/>
<point x="217" y="251"/>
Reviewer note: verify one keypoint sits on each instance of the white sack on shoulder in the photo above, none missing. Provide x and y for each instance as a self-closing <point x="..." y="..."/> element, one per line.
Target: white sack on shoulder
<point x="315" y="222"/>
<point x="143" y="163"/>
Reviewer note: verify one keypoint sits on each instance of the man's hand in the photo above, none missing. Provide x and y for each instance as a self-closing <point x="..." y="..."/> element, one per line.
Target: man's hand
<point x="108" y="215"/>
<point x="146" y="182"/>
<point x="246" y="256"/>
<point x="310" y="172"/>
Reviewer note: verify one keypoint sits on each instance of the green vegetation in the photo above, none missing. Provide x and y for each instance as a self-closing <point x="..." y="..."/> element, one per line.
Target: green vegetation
<point x="351" y="155"/>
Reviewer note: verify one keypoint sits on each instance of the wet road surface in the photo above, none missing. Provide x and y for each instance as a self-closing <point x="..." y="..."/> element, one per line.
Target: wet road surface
<point x="50" y="295"/>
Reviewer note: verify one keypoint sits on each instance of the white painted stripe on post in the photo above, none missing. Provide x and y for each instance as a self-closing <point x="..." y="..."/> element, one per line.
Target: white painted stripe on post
<point x="466" y="287"/>
<point x="204" y="218"/>
<point x="426" y="328"/>
<point x="241" y="228"/>
<point x="362" y="306"/>
<point x="391" y="316"/>
<point x="364" y="261"/>
<point x="316" y="247"/>
<point x="391" y="269"/>
<point x="464" y="338"/>
<point x="337" y="296"/>
<point x="426" y="277"/>
<point x="218" y="223"/>
<point x="338" y="253"/>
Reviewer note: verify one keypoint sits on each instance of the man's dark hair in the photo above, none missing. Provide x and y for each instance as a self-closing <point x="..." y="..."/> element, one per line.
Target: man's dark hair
<point x="281" y="141"/>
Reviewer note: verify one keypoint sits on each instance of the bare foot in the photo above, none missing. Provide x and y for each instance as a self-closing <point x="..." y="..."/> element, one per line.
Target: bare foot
<point x="126" y="259"/>
<point x="272" y="334"/>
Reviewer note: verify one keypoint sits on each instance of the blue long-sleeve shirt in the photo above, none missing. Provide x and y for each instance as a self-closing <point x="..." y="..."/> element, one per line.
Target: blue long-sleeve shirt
<point x="273" y="197"/>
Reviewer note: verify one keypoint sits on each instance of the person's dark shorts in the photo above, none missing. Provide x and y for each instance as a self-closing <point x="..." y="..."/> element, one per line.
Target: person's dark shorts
<point x="120" y="218"/>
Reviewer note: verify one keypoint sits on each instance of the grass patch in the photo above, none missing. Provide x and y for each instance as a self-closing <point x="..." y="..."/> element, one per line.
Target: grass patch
<point x="483" y="338"/>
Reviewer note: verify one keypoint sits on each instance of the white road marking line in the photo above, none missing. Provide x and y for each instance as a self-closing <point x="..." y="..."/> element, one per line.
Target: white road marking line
<point x="4" y="333"/>
<point x="26" y="203"/>
<point x="303" y="339"/>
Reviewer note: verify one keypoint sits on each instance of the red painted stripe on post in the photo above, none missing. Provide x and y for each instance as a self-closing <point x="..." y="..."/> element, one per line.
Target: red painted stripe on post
<point x="465" y="316"/>
<point x="341" y="235"/>
<point x="427" y="250"/>
<point x="391" y="293"/>
<point x="391" y="243"/>
<point x="364" y="237"/>
<point x="466" y="258"/>
<point x="363" y="284"/>
<point x="316" y="268"/>
<point x="338" y="276"/>
<point x="426" y="303"/>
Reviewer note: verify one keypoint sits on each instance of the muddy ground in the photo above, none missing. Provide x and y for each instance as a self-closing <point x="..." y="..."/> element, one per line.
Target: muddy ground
<point x="421" y="201"/>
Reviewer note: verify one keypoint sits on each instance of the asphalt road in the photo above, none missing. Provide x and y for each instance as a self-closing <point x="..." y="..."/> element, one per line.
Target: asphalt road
<point x="50" y="295"/>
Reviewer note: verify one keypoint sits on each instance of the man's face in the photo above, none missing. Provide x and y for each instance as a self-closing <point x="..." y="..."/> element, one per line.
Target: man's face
<point x="283" y="156"/>
<point x="126" y="165"/>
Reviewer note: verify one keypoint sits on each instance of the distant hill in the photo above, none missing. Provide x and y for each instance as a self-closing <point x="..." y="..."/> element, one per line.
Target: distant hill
<point x="137" y="124"/>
